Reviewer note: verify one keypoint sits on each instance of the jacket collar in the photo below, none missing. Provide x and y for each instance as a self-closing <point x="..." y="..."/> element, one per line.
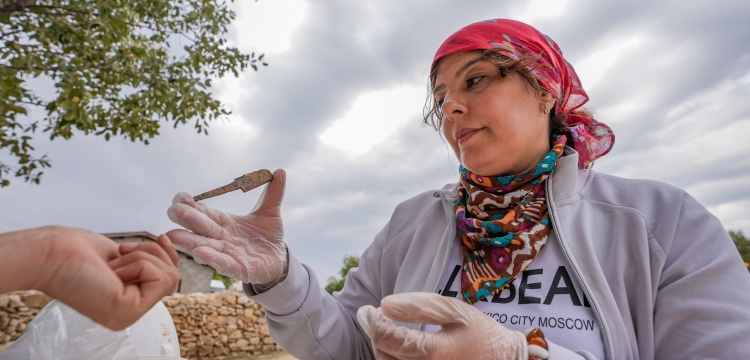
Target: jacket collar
<point x="562" y="182"/>
<point x="563" y="186"/>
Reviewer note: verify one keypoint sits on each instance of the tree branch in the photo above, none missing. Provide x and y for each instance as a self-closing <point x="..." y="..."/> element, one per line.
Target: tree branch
<point x="17" y="6"/>
<point x="38" y="103"/>
<point x="50" y="7"/>
<point x="54" y="69"/>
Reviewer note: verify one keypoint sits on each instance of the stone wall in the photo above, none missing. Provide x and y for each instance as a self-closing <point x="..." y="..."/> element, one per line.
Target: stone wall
<point x="222" y="324"/>
<point x="16" y="311"/>
<point x="210" y="326"/>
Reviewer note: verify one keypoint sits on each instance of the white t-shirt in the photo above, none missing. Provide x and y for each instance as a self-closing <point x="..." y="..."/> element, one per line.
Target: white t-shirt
<point x="547" y="295"/>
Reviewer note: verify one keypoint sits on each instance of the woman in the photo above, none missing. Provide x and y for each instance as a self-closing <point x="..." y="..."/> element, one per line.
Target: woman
<point x="544" y="257"/>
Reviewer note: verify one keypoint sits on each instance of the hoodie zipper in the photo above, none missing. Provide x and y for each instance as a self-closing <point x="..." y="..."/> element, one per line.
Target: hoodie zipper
<point x="584" y="284"/>
<point x="447" y="207"/>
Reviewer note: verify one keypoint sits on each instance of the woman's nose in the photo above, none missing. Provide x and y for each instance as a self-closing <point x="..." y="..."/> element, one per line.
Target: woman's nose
<point x="453" y="108"/>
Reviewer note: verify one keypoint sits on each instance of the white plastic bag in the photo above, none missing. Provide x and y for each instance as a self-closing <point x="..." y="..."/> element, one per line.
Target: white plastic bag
<point x="59" y="332"/>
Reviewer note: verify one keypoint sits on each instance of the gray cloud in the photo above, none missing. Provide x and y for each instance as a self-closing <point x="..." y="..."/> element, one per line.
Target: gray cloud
<point x="670" y="98"/>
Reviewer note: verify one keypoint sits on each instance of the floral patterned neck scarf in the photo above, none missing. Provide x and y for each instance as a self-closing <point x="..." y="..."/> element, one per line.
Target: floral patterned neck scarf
<point x="503" y="223"/>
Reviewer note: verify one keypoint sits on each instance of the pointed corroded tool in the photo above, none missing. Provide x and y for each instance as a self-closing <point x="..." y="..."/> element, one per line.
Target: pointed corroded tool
<point x="245" y="183"/>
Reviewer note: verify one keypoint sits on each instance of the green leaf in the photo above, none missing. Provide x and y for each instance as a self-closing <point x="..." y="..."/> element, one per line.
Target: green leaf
<point x="337" y="283"/>
<point x="113" y="72"/>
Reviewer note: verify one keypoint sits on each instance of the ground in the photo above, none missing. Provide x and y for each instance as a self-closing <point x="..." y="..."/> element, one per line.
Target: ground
<point x="272" y="356"/>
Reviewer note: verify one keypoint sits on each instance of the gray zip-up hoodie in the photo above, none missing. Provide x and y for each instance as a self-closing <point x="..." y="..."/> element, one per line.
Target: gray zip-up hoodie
<point x="661" y="273"/>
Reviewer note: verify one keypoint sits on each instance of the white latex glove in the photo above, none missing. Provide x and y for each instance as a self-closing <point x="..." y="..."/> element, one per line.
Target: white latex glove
<point x="249" y="248"/>
<point x="466" y="332"/>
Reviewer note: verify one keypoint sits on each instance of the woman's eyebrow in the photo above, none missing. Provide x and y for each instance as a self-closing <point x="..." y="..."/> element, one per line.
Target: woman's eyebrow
<point x="467" y="65"/>
<point x="460" y="70"/>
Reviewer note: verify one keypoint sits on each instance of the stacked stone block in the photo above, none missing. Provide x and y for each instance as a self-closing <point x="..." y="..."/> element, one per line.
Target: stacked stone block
<point x="223" y="324"/>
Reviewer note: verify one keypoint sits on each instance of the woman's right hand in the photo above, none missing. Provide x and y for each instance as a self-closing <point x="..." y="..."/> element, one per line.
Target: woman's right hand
<point x="249" y="248"/>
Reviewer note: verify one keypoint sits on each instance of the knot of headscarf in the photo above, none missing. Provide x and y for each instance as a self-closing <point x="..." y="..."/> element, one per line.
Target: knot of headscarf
<point x="592" y="139"/>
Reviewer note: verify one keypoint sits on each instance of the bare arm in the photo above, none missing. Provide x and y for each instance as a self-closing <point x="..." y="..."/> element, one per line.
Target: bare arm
<point x="112" y="284"/>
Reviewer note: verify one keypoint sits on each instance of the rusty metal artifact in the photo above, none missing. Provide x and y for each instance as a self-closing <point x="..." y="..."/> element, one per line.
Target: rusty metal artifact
<point x="245" y="183"/>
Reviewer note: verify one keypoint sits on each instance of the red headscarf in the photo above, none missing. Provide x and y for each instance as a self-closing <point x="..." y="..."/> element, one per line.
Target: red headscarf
<point x="591" y="138"/>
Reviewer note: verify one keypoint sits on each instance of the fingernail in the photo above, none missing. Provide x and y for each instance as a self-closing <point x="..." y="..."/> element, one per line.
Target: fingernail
<point x="364" y="317"/>
<point x="128" y="246"/>
<point x="164" y="238"/>
<point x="114" y="263"/>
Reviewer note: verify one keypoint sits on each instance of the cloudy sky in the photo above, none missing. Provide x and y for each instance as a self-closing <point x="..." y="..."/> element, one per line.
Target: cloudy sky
<point x="339" y="107"/>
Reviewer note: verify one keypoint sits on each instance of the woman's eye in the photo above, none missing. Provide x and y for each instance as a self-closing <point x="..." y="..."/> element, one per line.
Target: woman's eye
<point x="473" y="80"/>
<point x="439" y="102"/>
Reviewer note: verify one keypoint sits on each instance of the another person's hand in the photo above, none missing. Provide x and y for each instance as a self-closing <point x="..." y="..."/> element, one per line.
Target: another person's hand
<point x="249" y="248"/>
<point x="466" y="332"/>
<point x="112" y="284"/>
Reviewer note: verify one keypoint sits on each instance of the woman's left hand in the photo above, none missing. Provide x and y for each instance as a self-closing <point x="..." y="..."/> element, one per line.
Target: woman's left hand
<point x="466" y="332"/>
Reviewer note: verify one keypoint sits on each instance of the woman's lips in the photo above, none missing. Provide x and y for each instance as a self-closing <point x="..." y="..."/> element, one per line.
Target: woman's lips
<point x="465" y="134"/>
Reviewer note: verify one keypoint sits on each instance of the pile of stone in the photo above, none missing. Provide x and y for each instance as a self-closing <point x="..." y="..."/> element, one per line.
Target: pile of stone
<point x="223" y="324"/>
<point x="16" y="311"/>
<point x="209" y="326"/>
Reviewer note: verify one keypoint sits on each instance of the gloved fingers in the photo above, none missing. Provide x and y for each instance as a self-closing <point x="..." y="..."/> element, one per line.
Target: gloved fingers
<point x="365" y="315"/>
<point x="392" y="340"/>
<point x="272" y="196"/>
<point x="257" y="227"/>
<point x="428" y="308"/>
<point x="217" y="216"/>
<point x="250" y="264"/>
<point x="223" y="263"/>
<point x="195" y="220"/>
<point x="460" y="323"/>
<point x="380" y="355"/>
<point x="187" y="241"/>
<point x="183" y="198"/>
